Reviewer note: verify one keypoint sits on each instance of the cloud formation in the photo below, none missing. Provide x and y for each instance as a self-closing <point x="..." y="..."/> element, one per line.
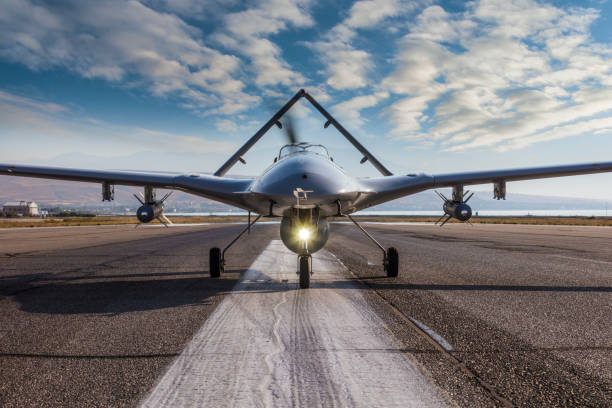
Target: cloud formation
<point x="247" y="32"/>
<point x="499" y="74"/>
<point x="46" y="129"/>
<point x="123" y="42"/>
<point x="351" y="110"/>
<point x="346" y="66"/>
<point x="502" y="74"/>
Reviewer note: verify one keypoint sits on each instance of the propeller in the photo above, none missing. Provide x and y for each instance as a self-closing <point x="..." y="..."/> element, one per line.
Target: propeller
<point x="152" y="208"/>
<point x="142" y="198"/>
<point x="138" y="198"/>
<point x="289" y="128"/>
<point x="455" y="209"/>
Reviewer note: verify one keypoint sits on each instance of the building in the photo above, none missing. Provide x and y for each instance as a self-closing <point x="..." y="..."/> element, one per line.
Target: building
<point x="20" y="209"/>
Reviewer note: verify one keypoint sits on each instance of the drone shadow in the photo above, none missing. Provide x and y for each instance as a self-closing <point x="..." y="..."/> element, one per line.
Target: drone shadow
<point x="116" y="294"/>
<point x="113" y="294"/>
<point x="384" y="282"/>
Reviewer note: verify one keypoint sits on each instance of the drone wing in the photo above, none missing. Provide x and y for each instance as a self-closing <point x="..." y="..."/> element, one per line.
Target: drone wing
<point x="226" y="190"/>
<point x="389" y="188"/>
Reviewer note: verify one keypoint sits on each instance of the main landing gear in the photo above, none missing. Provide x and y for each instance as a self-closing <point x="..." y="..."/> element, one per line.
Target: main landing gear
<point x="390" y="255"/>
<point x="217" y="257"/>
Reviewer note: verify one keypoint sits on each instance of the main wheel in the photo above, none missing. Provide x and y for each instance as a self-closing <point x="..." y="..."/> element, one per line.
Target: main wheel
<point x="304" y="272"/>
<point x="215" y="262"/>
<point x="392" y="262"/>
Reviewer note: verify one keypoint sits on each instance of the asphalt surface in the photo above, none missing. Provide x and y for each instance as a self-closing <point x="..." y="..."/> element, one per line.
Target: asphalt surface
<point x="270" y="344"/>
<point x="527" y="309"/>
<point x="92" y="316"/>
<point x="490" y="315"/>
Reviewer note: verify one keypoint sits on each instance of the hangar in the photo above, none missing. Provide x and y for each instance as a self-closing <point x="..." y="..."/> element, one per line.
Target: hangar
<point x="20" y="209"/>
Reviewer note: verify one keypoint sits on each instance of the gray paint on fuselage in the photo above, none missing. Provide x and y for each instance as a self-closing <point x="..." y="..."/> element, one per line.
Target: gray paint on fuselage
<point x="309" y="171"/>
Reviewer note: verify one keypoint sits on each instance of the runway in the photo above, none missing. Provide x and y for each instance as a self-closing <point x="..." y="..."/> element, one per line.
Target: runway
<point x="270" y="344"/>
<point x="112" y="316"/>
<point x="527" y="309"/>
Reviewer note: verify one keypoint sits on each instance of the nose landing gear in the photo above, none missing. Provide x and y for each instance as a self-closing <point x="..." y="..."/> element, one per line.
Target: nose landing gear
<point x="305" y="265"/>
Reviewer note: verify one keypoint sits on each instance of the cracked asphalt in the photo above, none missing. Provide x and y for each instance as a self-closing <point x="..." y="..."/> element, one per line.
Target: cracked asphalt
<point x="94" y="316"/>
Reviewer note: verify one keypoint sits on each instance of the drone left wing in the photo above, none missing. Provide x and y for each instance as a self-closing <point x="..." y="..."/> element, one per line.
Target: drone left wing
<point x="226" y="190"/>
<point x="382" y="189"/>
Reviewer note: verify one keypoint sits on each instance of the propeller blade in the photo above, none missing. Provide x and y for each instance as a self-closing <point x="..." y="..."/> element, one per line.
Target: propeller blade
<point x="138" y="198"/>
<point x="166" y="196"/>
<point x="441" y="196"/>
<point x="439" y="219"/>
<point x="290" y="129"/>
<point x="445" y="221"/>
<point x="162" y="221"/>
<point x="286" y="122"/>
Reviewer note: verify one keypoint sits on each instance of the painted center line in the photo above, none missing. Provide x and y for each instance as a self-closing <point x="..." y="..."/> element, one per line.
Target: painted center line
<point x="270" y="344"/>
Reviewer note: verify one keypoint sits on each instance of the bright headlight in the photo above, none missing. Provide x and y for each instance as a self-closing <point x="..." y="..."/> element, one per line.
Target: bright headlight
<point x="304" y="234"/>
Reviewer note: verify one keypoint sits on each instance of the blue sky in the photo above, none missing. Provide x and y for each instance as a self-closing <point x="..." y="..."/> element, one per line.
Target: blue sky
<point x="427" y="86"/>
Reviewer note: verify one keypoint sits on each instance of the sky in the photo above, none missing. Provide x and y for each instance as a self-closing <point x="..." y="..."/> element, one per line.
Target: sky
<point x="434" y="87"/>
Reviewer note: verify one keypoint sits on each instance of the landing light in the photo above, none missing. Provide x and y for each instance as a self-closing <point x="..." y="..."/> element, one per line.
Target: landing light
<point x="304" y="234"/>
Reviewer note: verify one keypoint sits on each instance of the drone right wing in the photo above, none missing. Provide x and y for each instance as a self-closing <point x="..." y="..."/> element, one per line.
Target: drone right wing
<point x="226" y="190"/>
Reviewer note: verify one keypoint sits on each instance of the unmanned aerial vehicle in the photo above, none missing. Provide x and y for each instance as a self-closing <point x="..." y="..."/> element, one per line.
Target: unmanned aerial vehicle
<point x="304" y="187"/>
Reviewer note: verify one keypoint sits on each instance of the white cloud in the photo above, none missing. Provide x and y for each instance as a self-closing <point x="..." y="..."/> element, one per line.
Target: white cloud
<point x="121" y="41"/>
<point x="502" y="74"/>
<point x="407" y="114"/>
<point x="192" y="9"/>
<point x="599" y="126"/>
<point x="346" y="66"/>
<point x="368" y="13"/>
<point x="226" y="125"/>
<point x="8" y="98"/>
<point x="35" y="127"/>
<point x="246" y="32"/>
<point x="350" y="109"/>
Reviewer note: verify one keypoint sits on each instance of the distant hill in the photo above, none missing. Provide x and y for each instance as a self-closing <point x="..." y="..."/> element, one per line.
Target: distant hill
<point x="53" y="193"/>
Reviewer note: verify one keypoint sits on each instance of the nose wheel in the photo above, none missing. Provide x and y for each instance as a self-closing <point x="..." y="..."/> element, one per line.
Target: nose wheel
<point x="305" y="264"/>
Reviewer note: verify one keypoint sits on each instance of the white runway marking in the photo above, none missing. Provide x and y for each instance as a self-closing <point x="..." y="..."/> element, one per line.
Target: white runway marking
<point x="271" y="344"/>
<point x="437" y="338"/>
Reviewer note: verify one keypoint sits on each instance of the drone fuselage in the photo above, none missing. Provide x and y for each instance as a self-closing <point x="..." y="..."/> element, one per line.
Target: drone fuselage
<point x="304" y="180"/>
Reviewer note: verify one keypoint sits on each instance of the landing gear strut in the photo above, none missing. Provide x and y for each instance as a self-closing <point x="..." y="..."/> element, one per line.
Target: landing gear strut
<point x="217" y="257"/>
<point x="390" y="255"/>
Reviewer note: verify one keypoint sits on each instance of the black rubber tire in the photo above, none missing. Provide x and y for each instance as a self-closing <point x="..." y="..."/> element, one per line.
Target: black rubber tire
<point x="392" y="262"/>
<point x="215" y="262"/>
<point x="304" y="272"/>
